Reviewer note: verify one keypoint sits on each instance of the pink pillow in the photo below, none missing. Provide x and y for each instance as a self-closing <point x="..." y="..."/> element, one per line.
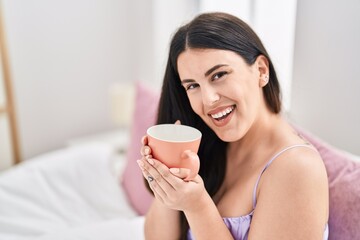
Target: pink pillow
<point x="344" y="182"/>
<point x="145" y="112"/>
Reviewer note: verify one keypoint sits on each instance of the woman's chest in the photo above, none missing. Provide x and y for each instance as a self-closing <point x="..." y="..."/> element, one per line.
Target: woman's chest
<point x="235" y="198"/>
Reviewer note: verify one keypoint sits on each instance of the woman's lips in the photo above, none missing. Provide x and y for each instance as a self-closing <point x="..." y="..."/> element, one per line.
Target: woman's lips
<point x="221" y="116"/>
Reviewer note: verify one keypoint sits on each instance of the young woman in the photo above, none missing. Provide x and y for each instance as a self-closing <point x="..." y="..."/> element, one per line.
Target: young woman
<point x="258" y="178"/>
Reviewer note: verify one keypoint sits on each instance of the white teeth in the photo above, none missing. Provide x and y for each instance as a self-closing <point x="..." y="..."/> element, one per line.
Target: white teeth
<point x="223" y="113"/>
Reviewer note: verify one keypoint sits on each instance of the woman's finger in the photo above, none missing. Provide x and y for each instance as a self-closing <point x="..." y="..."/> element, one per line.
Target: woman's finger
<point x="156" y="190"/>
<point x="182" y="173"/>
<point x="144" y="140"/>
<point x="145" y="150"/>
<point x="159" y="172"/>
<point x="167" y="180"/>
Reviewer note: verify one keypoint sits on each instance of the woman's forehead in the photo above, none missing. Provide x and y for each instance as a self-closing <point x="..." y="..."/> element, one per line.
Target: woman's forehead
<point x="194" y="60"/>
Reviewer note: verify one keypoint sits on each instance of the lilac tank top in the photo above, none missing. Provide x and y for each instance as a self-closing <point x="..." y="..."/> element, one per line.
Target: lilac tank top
<point x="240" y="226"/>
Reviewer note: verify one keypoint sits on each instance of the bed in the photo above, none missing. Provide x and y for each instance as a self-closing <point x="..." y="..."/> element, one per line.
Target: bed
<point x="71" y="193"/>
<point x="95" y="190"/>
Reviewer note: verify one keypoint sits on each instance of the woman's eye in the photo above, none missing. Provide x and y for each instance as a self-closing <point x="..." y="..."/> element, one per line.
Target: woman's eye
<point x="218" y="75"/>
<point x="191" y="86"/>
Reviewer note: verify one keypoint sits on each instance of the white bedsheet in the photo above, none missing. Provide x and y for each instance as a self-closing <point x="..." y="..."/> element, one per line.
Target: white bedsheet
<point x="71" y="193"/>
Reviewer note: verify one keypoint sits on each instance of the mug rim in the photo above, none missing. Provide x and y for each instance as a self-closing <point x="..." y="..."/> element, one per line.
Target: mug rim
<point x="197" y="134"/>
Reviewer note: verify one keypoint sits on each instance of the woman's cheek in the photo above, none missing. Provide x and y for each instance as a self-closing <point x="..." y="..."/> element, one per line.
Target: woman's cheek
<point x="196" y="104"/>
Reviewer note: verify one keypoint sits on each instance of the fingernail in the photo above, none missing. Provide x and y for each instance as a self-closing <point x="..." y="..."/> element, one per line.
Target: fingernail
<point x="147" y="151"/>
<point x="150" y="161"/>
<point x="174" y="170"/>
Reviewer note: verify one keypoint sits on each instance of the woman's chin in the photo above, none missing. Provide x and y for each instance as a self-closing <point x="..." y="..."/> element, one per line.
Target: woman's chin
<point x="227" y="136"/>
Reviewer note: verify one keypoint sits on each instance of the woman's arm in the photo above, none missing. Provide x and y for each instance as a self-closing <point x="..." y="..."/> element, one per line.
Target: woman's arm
<point x="162" y="222"/>
<point x="205" y="221"/>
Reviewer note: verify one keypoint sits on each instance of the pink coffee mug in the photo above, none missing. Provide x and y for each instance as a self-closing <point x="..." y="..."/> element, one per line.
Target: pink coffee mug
<point x="169" y="141"/>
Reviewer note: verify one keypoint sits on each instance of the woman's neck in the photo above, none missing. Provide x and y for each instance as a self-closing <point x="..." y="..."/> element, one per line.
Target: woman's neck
<point x="263" y="136"/>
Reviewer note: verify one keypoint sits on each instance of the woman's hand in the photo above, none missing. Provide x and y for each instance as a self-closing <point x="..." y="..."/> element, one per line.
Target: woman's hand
<point x="171" y="186"/>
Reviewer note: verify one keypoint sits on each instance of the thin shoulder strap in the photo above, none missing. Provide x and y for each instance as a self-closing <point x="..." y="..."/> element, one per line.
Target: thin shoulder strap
<point x="271" y="160"/>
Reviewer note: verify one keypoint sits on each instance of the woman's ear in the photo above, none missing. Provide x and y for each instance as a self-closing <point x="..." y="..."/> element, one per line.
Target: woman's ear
<point x="262" y="64"/>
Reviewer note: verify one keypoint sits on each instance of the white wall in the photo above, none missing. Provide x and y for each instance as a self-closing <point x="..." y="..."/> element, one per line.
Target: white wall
<point x="168" y="16"/>
<point x="64" y="55"/>
<point x="140" y="40"/>
<point x="275" y="21"/>
<point x="325" y="93"/>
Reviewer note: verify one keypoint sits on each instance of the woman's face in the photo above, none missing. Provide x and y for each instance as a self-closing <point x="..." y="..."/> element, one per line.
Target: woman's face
<point x="223" y="89"/>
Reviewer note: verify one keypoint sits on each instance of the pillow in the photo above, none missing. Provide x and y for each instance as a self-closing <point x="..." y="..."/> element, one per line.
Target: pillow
<point x="344" y="183"/>
<point x="144" y="116"/>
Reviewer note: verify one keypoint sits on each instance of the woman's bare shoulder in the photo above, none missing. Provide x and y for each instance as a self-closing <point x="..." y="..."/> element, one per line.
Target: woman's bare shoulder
<point x="293" y="195"/>
<point x="295" y="169"/>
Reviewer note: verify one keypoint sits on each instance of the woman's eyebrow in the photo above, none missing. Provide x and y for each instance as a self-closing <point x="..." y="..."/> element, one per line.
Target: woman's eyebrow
<point x="208" y="72"/>
<point x="187" y="81"/>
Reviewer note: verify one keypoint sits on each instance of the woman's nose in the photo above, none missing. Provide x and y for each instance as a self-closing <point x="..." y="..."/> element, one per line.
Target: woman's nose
<point x="209" y="95"/>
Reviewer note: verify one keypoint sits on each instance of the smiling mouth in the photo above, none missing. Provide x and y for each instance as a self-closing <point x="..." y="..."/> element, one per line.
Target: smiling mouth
<point x="223" y="114"/>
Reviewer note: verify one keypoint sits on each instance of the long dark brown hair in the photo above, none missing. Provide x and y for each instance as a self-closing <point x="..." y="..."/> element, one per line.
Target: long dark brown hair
<point x="210" y="31"/>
